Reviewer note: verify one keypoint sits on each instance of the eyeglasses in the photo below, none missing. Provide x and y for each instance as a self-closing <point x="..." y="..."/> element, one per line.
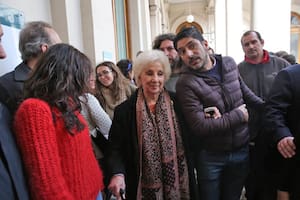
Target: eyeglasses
<point x="104" y="73"/>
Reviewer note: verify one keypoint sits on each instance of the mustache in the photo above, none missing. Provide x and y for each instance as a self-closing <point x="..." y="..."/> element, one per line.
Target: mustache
<point x="252" y="49"/>
<point x="193" y="58"/>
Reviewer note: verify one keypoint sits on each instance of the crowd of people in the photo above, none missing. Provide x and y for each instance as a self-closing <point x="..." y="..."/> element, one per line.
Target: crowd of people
<point x="179" y="121"/>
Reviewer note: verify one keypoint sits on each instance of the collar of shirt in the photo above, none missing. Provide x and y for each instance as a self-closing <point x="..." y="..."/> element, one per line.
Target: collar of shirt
<point x="265" y="59"/>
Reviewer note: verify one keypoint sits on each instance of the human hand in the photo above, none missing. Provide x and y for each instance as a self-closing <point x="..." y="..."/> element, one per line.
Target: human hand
<point x="117" y="183"/>
<point x="245" y="112"/>
<point x="212" y="112"/>
<point x="287" y="147"/>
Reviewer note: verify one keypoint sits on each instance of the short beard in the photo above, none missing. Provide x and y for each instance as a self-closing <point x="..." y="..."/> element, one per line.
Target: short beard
<point x="175" y="64"/>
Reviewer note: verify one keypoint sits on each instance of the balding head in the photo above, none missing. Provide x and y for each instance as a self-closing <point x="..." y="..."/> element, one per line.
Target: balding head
<point x="33" y="37"/>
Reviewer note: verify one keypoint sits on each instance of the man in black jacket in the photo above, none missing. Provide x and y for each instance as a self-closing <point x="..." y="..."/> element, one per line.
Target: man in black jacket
<point x="283" y="122"/>
<point x="12" y="181"/>
<point x="35" y="38"/>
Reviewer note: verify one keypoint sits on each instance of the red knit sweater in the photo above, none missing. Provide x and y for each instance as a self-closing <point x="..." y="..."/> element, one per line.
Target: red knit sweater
<point x="58" y="165"/>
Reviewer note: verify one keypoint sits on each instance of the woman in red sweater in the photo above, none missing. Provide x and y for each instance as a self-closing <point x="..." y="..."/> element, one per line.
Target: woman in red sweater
<point x="52" y="135"/>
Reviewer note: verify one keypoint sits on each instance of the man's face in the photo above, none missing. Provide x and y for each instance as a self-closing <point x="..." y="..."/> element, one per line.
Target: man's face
<point x="2" y="52"/>
<point x="193" y="52"/>
<point x="167" y="46"/>
<point x="252" y="46"/>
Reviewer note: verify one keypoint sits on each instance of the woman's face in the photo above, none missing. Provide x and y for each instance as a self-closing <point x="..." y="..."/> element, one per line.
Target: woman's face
<point x="92" y="81"/>
<point x="152" y="79"/>
<point x="105" y="75"/>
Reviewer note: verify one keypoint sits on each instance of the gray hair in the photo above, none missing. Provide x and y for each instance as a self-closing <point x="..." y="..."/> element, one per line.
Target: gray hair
<point x="32" y="36"/>
<point x="148" y="57"/>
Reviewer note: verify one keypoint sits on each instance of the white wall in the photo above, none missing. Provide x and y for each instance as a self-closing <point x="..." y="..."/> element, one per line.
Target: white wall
<point x="74" y="23"/>
<point x="33" y="10"/>
<point x="275" y="28"/>
<point x="104" y="34"/>
<point x="86" y="24"/>
<point x="296" y="8"/>
<point x="10" y="44"/>
<point x="234" y="31"/>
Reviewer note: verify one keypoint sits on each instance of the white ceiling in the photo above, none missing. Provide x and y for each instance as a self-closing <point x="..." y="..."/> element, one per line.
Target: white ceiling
<point x="297" y="2"/>
<point x="183" y="1"/>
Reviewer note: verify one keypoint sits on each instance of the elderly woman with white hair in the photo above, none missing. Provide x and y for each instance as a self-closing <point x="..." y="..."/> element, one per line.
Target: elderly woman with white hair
<point x="146" y="156"/>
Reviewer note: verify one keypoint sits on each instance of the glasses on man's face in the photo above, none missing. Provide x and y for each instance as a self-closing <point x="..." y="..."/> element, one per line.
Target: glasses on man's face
<point x="103" y="73"/>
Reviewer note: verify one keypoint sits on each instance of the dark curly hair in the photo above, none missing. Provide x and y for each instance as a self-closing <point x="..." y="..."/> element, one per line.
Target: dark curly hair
<point x="188" y="32"/>
<point x="61" y="76"/>
<point x="160" y="38"/>
<point x="125" y="66"/>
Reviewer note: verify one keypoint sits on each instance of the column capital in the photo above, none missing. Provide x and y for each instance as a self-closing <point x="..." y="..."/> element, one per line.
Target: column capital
<point x="154" y="9"/>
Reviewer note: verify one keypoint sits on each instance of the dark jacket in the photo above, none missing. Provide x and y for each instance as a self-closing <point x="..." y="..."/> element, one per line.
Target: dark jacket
<point x="283" y="106"/>
<point x="12" y="180"/>
<point x="196" y="91"/>
<point x="282" y="120"/>
<point x="123" y="153"/>
<point x="11" y="86"/>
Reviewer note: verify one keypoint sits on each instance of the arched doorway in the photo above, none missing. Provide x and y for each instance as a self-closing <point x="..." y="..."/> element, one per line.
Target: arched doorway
<point x="187" y="24"/>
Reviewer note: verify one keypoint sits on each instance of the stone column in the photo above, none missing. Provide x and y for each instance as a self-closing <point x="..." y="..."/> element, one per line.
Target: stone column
<point x="139" y="26"/>
<point x="88" y="25"/>
<point x="155" y="18"/>
<point x="211" y="27"/>
<point x="220" y="27"/>
<point x="229" y="28"/>
<point x="234" y="10"/>
<point x="272" y="20"/>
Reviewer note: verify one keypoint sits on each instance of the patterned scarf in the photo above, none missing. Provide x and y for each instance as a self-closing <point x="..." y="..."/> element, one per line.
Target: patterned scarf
<point x="163" y="167"/>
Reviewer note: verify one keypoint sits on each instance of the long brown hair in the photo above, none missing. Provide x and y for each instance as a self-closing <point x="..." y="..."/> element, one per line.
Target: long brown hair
<point x="119" y="83"/>
<point x="60" y="77"/>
